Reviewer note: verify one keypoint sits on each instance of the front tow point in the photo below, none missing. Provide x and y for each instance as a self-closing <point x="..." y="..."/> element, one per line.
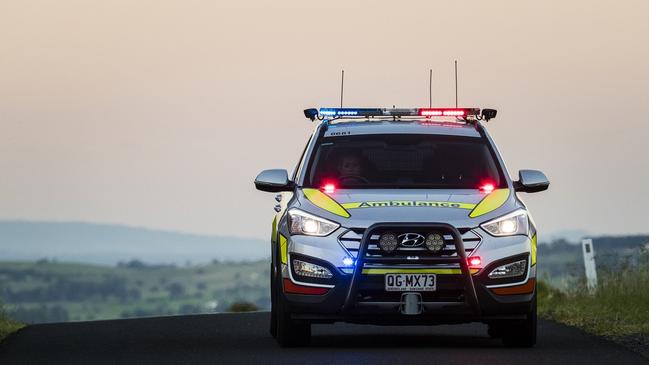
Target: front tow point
<point x="411" y="303"/>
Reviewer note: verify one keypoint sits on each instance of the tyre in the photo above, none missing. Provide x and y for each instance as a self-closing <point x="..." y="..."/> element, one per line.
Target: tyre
<point x="289" y="333"/>
<point x="523" y="333"/>
<point x="273" y="300"/>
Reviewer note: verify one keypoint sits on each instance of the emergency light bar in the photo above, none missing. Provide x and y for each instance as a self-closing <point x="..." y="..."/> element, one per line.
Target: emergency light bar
<point x="398" y="112"/>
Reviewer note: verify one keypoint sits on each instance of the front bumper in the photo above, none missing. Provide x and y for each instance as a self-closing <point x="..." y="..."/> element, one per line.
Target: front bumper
<point x="327" y="308"/>
<point x="460" y="297"/>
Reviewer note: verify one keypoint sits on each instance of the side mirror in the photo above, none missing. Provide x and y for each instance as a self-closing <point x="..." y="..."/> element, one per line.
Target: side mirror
<point x="273" y="181"/>
<point x="531" y="181"/>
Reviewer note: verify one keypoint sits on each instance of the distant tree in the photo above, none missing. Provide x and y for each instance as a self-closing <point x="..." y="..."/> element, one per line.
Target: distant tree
<point x="134" y="294"/>
<point x="40" y="314"/>
<point x="133" y="264"/>
<point x="189" y="309"/>
<point x="176" y="290"/>
<point x="242" y="307"/>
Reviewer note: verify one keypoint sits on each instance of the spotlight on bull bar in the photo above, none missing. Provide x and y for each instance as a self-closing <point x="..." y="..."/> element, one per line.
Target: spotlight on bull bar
<point x="435" y="242"/>
<point x="388" y="242"/>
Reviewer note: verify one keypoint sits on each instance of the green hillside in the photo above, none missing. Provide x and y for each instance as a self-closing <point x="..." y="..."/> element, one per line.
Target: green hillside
<point x="46" y="291"/>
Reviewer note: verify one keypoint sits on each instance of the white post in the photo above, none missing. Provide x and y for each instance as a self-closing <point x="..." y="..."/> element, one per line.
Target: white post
<point x="589" y="264"/>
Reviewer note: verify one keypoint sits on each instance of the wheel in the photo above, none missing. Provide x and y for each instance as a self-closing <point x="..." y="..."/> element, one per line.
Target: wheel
<point x="523" y="333"/>
<point x="289" y="333"/>
<point x="273" y="300"/>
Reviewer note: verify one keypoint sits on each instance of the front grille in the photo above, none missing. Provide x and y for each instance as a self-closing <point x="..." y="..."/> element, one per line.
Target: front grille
<point x="351" y="240"/>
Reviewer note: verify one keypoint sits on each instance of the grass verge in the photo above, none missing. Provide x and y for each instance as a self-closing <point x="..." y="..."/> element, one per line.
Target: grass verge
<point x="619" y="309"/>
<point x="7" y="326"/>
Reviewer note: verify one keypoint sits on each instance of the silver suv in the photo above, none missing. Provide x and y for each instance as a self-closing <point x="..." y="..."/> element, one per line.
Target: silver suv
<point x="402" y="216"/>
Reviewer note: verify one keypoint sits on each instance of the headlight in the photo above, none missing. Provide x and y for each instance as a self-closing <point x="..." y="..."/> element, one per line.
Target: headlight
<point x="300" y="222"/>
<point x="508" y="225"/>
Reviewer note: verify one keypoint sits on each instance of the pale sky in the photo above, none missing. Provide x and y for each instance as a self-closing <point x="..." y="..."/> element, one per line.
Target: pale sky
<point x="160" y="114"/>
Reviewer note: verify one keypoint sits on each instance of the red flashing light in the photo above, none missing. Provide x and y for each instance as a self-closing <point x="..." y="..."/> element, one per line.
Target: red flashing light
<point x="454" y="113"/>
<point x="437" y="112"/>
<point x="487" y="188"/>
<point x="474" y="261"/>
<point x="329" y="188"/>
<point x="430" y="112"/>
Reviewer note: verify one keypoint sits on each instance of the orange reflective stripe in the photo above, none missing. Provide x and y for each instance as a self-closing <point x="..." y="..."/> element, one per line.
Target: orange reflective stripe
<point x="526" y="288"/>
<point x="289" y="287"/>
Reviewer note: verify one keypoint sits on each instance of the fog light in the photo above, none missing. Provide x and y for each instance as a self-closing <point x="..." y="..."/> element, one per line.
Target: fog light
<point x="311" y="270"/>
<point x="388" y="242"/>
<point x="435" y="242"/>
<point x="509" y="271"/>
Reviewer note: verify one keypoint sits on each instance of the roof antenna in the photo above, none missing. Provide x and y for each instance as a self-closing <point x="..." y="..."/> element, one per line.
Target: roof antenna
<point x="342" y="86"/>
<point x="456" y="83"/>
<point x="430" y="89"/>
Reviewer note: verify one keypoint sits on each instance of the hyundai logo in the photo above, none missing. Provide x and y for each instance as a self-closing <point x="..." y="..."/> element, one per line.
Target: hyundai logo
<point x="411" y="239"/>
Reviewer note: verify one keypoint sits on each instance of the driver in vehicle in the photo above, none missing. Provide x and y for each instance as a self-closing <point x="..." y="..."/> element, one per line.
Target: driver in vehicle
<point x="350" y="170"/>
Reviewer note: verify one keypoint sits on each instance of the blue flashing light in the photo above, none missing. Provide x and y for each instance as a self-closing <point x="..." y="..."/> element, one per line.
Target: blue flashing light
<point x="348" y="261"/>
<point x="349" y="112"/>
<point x="328" y="112"/>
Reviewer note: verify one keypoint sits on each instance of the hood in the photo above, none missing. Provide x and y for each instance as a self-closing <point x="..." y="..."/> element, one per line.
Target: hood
<point x="364" y="207"/>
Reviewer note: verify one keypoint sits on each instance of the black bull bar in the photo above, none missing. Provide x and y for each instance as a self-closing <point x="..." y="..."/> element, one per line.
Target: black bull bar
<point x="471" y="298"/>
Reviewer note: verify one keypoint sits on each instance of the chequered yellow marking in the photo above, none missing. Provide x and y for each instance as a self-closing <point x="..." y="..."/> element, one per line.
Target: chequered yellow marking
<point x="534" y="250"/>
<point x="325" y="202"/>
<point x="283" y="249"/>
<point x="491" y="202"/>
<point x="273" y="235"/>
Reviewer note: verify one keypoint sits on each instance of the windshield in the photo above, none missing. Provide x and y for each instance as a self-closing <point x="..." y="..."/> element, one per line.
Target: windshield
<point x="403" y="161"/>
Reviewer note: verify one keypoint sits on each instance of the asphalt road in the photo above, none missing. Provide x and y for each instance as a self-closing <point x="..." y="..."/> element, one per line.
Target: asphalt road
<point x="244" y="339"/>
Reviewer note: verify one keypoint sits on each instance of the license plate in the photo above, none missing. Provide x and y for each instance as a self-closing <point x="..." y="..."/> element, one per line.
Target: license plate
<point x="410" y="282"/>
